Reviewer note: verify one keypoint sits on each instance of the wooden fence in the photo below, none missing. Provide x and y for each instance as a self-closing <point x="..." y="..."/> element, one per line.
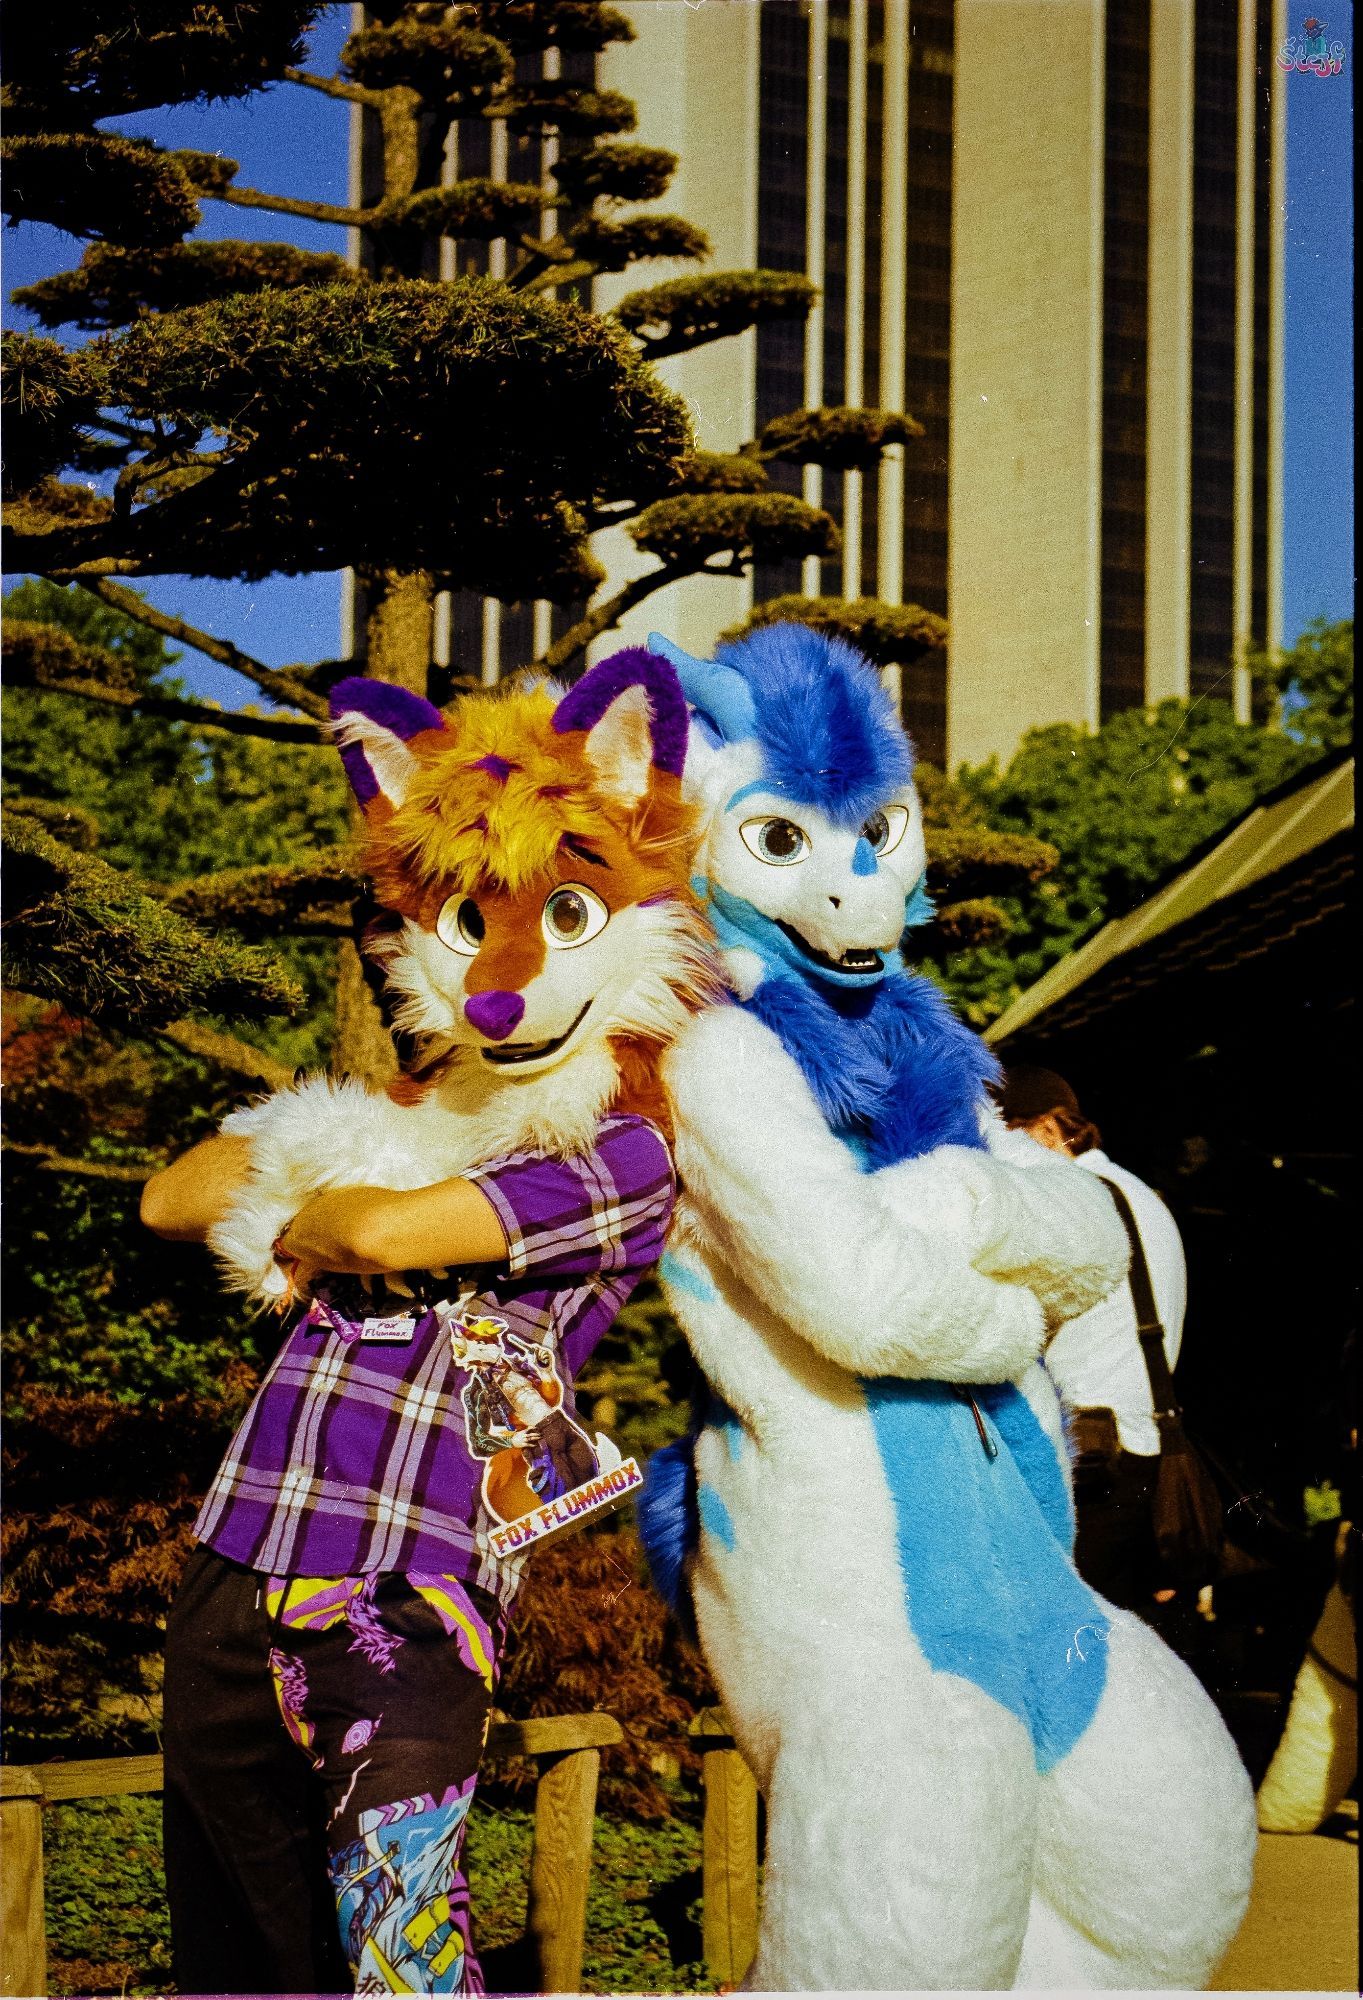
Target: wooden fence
<point x="567" y="1751"/>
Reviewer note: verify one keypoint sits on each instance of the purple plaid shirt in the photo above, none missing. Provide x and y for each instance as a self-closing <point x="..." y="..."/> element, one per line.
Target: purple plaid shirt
<point x="369" y="1448"/>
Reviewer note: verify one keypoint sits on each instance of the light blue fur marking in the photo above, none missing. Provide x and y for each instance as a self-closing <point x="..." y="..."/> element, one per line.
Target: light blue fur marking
<point x="864" y="860"/>
<point x="715" y="1517"/>
<point x="746" y="792"/>
<point x="718" y="693"/>
<point x="736" y="921"/>
<point x="990" y="1592"/>
<point x="685" y="1278"/>
<point x="729" y="1425"/>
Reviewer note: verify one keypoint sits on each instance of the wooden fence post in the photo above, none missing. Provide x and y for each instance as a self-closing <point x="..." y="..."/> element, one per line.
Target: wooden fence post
<point x="560" y="1867"/>
<point x="729" y="1851"/>
<point x="23" y="1945"/>
<point x="567" y="1749"/>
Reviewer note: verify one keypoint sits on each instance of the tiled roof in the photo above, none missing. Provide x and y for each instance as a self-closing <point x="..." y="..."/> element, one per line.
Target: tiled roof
<point x="1286" y="867"/>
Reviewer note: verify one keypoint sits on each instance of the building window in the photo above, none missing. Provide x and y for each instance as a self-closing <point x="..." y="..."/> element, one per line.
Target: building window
<point x="1126" y="249"/>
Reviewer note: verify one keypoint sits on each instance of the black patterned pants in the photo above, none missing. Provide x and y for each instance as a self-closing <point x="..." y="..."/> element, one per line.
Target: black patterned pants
<point x="322" y="1745"/>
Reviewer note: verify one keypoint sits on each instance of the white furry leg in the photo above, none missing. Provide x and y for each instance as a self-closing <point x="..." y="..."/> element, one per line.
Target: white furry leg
<point x="1145" y="1837"/>
<point x="1057" y="1958"/>
<point x="897" y="1865"/>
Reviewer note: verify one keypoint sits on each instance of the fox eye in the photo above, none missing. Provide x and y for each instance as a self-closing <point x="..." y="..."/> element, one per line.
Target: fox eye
<point x="572" y="915"/>
<point x="885" y="829"/>
<point x="460" y="925"/>
<point x="777" y="841"/>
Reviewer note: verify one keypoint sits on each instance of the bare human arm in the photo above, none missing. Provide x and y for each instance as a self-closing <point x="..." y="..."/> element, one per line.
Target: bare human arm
<point x="186" y="1198"/>
<point x="363" y="1229"/>
<point x="371" y="1229"/>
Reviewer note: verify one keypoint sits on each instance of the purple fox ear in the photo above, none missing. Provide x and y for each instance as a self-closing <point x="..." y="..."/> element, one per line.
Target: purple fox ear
<point x="374" y="724"/>
<point x="634" y="713"/>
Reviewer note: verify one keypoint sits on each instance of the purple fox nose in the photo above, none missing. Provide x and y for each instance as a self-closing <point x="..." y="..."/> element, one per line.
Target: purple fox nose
<point x="495" y="1014"/>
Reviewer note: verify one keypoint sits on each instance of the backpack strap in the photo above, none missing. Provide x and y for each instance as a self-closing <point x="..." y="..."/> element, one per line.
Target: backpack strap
<point x="1168" y="1415"/>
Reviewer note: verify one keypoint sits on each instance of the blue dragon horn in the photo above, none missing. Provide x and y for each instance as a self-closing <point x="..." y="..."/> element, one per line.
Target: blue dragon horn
<point x="718" y="694"/>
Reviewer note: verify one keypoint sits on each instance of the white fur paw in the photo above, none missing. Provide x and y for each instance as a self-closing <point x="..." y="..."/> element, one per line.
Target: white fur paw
<point x="243" y="1242"/>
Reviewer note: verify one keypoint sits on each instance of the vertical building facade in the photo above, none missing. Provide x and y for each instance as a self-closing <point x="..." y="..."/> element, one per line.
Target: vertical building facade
<point x="1052" y="231"/>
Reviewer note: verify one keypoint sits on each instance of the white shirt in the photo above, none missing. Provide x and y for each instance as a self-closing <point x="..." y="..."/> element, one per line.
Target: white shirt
<point x="1097" y="1359"/>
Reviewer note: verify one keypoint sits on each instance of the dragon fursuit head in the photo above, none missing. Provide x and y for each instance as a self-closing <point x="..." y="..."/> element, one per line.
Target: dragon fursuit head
<point x="977" y="1773"/>
<point x="532" y="853"/>
<point x="813" y="867"/>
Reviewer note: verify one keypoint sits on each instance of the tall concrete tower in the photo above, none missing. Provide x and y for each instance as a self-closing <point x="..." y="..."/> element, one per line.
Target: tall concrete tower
<point x="1051" y="229"/>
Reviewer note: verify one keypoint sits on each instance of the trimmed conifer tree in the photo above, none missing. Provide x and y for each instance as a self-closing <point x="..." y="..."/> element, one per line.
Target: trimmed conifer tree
<point x="245" y="409"/>
<point x="249" y="408"/>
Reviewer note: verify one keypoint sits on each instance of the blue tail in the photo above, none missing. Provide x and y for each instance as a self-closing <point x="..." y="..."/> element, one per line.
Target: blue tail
<point x="669" y="1521"/>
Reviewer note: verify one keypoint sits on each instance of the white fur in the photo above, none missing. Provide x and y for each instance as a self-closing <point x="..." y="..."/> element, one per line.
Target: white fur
<point x="1145" y="1835"/>
<point x="620" y="747"/>
<point x="325" y="1133"/>
<point x="820" y="895"/>
<point x="631" y="972"/>
<point x="883" y="1871"/>
<point x="387" y="756"/>
<point x="878" y="1279"/>
<point x="1036" y="1219"/>
<point x="911" y="1843"/>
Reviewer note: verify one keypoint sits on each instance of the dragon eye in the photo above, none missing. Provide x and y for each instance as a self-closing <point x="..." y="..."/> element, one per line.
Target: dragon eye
<point x="884" y="830"/>
<point x="777" y="841"/>
<point x="460" y="925"/>
<point x="572" y="915"/>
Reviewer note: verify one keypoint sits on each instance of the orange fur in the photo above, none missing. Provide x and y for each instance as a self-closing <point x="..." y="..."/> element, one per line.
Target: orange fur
<point x="641" y="1086"/>
<point x="498" y="836"/>
<point x="462" y="827"/>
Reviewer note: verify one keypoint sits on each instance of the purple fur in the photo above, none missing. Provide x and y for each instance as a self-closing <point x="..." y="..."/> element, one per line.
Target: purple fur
<point x="393" y="708"/>
<point x="496" y="767"/>
<point x="363" y="783"/>
<point x="584" y="705"/>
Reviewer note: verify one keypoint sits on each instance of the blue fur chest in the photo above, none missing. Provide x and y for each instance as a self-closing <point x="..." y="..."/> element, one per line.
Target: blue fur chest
<point x="890" y="1066"/>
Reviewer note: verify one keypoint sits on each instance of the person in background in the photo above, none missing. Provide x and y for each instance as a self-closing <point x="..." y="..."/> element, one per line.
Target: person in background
<point x="1096" y="1361"/>
<point x="1315" y="1765"/>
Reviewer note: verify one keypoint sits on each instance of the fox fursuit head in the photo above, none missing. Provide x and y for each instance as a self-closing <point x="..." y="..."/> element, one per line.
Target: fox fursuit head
<point x="532" y="854"/>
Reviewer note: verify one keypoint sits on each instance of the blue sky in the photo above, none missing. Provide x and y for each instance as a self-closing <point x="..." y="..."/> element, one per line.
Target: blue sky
<point x="1318" y="452"/>
<point x="294" y="140"/>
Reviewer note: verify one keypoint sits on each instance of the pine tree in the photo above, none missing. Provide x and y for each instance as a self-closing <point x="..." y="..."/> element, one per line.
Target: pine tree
<point x="125" y="1366"/>
<point x="267" y="409"/>
<point x="249" y="408"/>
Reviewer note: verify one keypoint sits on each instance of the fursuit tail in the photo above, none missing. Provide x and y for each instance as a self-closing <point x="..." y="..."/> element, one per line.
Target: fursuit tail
<point x="669" y="1523"/>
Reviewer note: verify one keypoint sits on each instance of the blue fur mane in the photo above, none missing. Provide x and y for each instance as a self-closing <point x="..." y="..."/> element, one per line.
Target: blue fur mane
<point x="893" y="1070"/>
<point x="669" y="1521"/>
<point x="829" y="733"/>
